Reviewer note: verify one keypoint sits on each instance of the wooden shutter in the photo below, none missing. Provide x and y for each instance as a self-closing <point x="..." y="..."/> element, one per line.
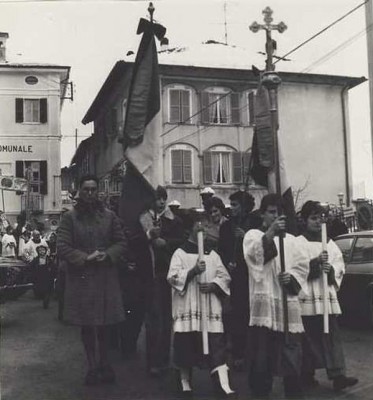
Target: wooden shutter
<point x="187" y="166"/>
<point x="204" y="107"/>
<point x="43" y="111"/>
<point x="207" y="167"/>
<point x="19" y="110"/>
<point x="246" y="157"/>
<point x="235" y="108"/>
<point x="19" y="169"/>
<point x="237" y="167"/>
<point x="177" y="166"/>
<point x="250" y="103"/>
<point x="174" y="106"/>
<point x="185" y="106"/>
<point x="43" y="177"/>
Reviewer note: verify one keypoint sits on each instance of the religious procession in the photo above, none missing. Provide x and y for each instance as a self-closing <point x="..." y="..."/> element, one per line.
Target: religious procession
<point x="193" y="247"/>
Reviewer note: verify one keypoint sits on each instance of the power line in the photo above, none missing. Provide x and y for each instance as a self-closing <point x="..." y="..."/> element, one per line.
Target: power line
<point x="322" y="31"/>
<point x="337" y="49"/>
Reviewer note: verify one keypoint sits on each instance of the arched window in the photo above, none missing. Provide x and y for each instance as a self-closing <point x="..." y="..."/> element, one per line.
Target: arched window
<point x="224" y="165"/>
<point x="181" y="157"/>
<point x="220" y="106"/>
<point x="179" y="104"/>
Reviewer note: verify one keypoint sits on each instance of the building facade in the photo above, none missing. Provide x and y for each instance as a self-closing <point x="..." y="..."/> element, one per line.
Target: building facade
<point x="206" y="128"/>
<point x="31" y="99"/>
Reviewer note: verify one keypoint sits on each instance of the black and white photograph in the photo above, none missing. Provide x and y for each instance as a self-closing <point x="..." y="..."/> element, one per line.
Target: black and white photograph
<point x="186" y="199"/>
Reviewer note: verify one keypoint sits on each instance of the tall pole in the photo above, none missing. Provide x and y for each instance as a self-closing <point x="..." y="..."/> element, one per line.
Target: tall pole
<point x="28" y="195"/>
<point x="271" y="81"/>
<point x="369" y="29"/>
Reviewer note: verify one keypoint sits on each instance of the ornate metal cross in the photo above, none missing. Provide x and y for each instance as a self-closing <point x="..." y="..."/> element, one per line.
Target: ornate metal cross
<point x="269" y="27"/>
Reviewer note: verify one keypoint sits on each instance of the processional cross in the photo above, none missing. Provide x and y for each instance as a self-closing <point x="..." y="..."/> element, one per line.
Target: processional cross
<point x="269" y="27"/>
<point x="271" y="80"/>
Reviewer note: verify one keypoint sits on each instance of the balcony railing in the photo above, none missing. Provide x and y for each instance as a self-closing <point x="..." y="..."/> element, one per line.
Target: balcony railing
<point x="35" y="202"/>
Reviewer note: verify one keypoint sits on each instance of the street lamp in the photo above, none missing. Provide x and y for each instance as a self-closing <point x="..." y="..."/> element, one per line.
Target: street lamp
<point x="341" y="198"/>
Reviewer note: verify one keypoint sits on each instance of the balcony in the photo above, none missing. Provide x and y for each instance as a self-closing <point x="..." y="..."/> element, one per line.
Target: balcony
<point x="36" y="202"/>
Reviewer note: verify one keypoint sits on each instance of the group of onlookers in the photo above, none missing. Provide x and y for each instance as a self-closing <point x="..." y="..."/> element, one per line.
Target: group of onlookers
<point x="37" y="252"/>
<point x="225" y="308"/>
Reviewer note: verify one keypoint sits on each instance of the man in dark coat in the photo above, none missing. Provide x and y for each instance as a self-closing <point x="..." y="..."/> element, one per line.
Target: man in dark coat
<point x="164" y="231"/>
<point x="230" y="250"/>
<point x="91" y="244"/>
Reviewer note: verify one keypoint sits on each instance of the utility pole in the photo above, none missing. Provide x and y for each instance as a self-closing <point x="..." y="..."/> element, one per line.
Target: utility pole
<point x="271" y="81"/>
<point x="369" y="30"/>
<point x="225" y="24"/>
<point x="28" y="194"/>
<point x="76" y="138"/>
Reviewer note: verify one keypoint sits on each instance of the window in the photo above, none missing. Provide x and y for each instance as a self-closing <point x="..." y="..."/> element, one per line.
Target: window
<point x="363" y="250"/>
<point x="36" y="172"/>
<point x="181" y="166"/>
<point x="179" y="105"/>
<point x="223" y="165"/>
<point x="345" y="247"/>
<point x="220" y="107"/>
<point x="250" y="107"/>
<point x="31" y="111"/>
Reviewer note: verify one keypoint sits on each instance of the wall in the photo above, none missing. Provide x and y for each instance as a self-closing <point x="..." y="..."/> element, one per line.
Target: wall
<point x="39" y="141"/>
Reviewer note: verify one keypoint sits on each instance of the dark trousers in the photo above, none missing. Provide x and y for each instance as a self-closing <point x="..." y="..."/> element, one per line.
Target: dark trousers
<point x="269" y="356"/>
<point x="188" y="350"/>
<point x="158" y="323"/>
<point x="322" y="350"/>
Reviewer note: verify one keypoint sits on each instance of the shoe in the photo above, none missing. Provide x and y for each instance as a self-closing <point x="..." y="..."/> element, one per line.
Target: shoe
<point x="106" y="374"/>
<point x="184" y="380"/>
<point x="342" y="382"/>
<point x="221" y="381"/>
<point x="91" y="378"/>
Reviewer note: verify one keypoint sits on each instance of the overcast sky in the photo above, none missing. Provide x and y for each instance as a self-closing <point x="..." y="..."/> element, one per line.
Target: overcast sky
<point x="91" y="36"/>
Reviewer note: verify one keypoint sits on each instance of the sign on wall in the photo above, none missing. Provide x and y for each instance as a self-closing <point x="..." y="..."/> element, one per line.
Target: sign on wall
<point x="13" y="184"/>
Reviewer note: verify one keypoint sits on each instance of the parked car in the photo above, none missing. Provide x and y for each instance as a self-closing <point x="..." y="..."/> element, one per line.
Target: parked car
<point x="356" y="292"/>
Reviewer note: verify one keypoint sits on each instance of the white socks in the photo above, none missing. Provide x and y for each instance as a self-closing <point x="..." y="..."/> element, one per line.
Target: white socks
<point x="222" y="371"/>
<point x="185" y="379"/>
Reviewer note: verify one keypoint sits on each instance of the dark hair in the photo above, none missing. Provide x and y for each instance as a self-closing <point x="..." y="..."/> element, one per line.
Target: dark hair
<point x="246" y="200"/>
<point x="215" y="202"/>
<point x="271" y="199"/>
<point x="161" y="192"/>
<point x="311" y="207"/>
<point x="86" y="178"/>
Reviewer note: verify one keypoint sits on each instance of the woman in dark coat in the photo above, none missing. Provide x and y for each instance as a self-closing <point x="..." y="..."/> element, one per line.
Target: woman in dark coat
<point x="91" y="244"/>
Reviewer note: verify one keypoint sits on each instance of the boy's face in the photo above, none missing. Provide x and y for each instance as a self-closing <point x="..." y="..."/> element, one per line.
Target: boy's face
<point x="269" y="216"/>
<point x="42" y="251"/>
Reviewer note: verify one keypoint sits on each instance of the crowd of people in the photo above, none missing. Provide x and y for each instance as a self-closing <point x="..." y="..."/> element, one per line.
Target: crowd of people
<point x="230" y="307"/>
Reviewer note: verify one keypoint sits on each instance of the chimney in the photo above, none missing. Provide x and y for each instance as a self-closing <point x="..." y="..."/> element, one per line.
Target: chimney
<point x="164" y="44"/>
<point x="3" y="38"/>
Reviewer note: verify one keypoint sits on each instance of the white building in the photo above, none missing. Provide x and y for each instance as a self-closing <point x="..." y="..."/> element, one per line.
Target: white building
<point x="31" y="99"/>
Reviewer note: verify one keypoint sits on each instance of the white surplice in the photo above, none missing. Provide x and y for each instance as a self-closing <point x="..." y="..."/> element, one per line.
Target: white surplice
<point x="312" y="300"/>
<point x="186" y="302"/>
<point x="266" y="303"/>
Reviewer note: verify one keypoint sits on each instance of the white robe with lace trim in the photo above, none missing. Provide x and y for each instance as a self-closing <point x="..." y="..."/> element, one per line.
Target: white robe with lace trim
<point x="266" y="307"/>
<point x="186" y="303"/>
<point x="312" y="301"/>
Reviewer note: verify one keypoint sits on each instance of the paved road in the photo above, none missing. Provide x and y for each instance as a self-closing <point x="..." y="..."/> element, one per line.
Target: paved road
<point x="42" y="359"/>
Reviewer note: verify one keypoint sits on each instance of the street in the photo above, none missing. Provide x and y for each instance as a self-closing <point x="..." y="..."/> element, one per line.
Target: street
<point x="42" y="359"/>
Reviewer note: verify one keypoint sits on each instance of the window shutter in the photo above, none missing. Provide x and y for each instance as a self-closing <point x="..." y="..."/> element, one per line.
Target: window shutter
<point x="246" y="157"/>
<point x="250" y="100"/>
<point x="185" y="106"/>
<point x="175" y="106"/>
<point x="207" y="167"/>
<point x="187" y="163"/>
<point x="237" y="167"/>
<point x="19" y="169"/>
<point x="43" y="177"/>
<point x="204" y="107"/>
<point x="43" y="111"/>
<point x="235" y="108"/>
<point x="177" y="166"/>
<point x="19" y="110"/>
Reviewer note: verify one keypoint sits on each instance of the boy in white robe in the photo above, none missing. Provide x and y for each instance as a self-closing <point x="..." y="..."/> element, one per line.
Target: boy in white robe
<point x="321" y="350"/>
<point x="270" y="355"/>
<point x="192" y="279"/>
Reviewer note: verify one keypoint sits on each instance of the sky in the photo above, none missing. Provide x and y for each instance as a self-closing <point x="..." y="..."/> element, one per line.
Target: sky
<point x="90" y="36"/>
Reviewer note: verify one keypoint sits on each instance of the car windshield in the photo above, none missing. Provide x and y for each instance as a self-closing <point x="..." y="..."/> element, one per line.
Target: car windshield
<point x="363" y="250"/>
<point x="345" y="246"/>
